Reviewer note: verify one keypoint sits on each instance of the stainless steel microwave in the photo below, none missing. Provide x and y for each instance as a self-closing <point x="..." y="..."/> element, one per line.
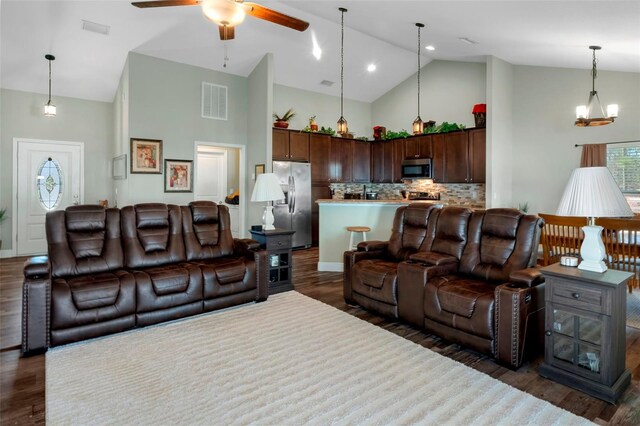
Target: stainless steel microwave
<point x="418" y="168"/>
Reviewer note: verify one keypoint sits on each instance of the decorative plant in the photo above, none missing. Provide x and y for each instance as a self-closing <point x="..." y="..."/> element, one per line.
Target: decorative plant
<point x="286" y="116"/>
<point x="390" y="134"/>
<point x="313" y="126"/>
<point x="444" y="128"/>
<point x="523" y="207"/>
<point x="3" y="214"/>
<point x="327" y="131"/>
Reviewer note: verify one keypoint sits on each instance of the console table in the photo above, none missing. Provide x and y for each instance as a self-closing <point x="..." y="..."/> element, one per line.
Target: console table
<point x="277" y="242"/>
<point x="585" y="330"/>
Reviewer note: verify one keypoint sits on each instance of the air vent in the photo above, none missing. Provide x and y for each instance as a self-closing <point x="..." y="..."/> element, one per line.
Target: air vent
<point x="467" y="40"/>
<point x="95" y="28"/>
<point x="214" y="101"/>
<point x="327" y="83"/>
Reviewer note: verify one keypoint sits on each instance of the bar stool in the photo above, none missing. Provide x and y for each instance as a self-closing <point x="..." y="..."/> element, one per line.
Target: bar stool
<point x="353" y="230"/>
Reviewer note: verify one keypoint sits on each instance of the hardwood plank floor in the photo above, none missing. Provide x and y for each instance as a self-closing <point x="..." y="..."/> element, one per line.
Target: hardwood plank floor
<point x="22" y="379"/>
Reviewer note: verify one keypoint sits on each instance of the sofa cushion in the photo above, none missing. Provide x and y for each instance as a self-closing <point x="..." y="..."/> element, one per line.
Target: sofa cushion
<point x="226" y="276"/>
<point x="206" y="228"/>
<point x="376" y="279"/>
<point x="94" y="291"/>
<point x="168" y="279"/>
<point x="409" y="230"/>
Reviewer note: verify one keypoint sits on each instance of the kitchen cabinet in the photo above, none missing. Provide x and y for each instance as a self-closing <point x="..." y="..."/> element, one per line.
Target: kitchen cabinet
<point x="320" y="158"/>
<point x="459" y="157"/>
<point x="341" y="159"/>
<point x="456" y="157"/>
<point x="585" y="330"/>
<point x="477" y="150"/>
<point x="417" y="147"/>
<point x="382" y="161"/>
<point x="398" y="155"/>
<point x="361" y="161"/>
<point x="290" y="145"/>
<point x="437" y="157"/>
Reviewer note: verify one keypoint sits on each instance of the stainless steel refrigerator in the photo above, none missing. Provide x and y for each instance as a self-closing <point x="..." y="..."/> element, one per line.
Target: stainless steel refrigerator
<point x="294" y="212"/>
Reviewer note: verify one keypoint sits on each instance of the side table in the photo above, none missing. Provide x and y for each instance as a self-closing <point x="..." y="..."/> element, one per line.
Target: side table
<point x="585" y="323"/>
<point x="277" y="242"/>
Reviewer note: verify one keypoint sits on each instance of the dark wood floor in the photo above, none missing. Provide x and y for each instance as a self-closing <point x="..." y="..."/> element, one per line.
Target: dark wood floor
<point x="22" y="379"/>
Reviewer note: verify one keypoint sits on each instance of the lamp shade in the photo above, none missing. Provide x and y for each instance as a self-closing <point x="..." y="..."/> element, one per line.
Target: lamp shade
<point x="592" y="192"/>
<point x="267" y="188"/>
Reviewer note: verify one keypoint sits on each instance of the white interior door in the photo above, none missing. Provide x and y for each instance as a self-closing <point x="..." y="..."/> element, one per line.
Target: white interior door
<point x="211" y="174"/>
<point x="49" y="177"/>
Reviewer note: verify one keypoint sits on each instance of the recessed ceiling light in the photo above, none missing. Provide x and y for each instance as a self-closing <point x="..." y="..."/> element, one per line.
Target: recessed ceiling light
<point x="371" y="67"/>
<point x="467" y="40"/>
<point x="430" y="47"/>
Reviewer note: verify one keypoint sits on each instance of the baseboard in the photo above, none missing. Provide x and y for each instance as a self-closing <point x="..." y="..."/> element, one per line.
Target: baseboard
<point x="330" y="267"/>
<point x="7" y="253"/>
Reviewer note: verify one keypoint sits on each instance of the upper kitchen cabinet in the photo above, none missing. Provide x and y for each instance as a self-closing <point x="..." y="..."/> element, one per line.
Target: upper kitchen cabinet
<point x="290" y="145"/>
<point x="341" y="159"/>
<point x="437" y="157"/>
<point x="417" y="146"/>
<point x="382" y="161"/>
<point x="361" y="166"/>
<point x="477" y="155"/>
<point x="320" y="158"/>
<point x="459" y="157"/>
<point x="456" y="157"/>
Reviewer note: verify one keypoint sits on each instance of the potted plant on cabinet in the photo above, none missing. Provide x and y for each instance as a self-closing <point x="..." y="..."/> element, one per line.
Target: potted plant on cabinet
<point x="313" y="126"/>
<point x="283" y="121"/>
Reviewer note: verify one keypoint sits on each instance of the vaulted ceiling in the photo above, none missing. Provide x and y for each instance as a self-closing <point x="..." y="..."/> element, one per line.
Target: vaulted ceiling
<point x="88" y="65"/>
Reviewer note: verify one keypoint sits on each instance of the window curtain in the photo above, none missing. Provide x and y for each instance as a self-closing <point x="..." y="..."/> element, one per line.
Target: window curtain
<point x="594" y="155"/>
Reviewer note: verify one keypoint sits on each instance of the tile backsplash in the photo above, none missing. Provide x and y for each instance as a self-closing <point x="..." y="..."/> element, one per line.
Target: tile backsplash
<point x="460" y="194"/>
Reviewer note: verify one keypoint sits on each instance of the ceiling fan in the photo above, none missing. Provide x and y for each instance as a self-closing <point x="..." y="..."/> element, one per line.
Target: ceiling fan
<point x="229" y="13"/>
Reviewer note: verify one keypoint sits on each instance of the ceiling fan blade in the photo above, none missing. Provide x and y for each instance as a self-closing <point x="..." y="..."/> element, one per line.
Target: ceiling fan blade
<point x="165" y="3"/>
<point x="270" y="15"/>
<point x="226" y="32"/>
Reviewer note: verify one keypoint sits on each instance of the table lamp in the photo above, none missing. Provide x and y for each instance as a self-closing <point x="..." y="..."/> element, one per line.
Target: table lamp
<point x="267" y="188"/>
<point x="592" y="192"/>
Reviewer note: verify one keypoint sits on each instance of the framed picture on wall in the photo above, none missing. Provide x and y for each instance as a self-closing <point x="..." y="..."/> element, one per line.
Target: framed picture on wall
<point x="119" y="167"/>
<point x="146" y="156"/>
<point x="259" y="169"/>
<point x="178" y="175"/>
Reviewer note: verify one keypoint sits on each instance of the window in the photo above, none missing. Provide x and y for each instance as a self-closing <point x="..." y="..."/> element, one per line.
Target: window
<point x="623" y="160"/>
<point x="49" y="184"/>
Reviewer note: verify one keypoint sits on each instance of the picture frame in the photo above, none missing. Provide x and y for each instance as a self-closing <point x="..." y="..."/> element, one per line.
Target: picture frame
<point x="178" y="175"/>
<point x="146" y="156"/>
<point x="259" y="170"/>
<point x="119" y="167"/>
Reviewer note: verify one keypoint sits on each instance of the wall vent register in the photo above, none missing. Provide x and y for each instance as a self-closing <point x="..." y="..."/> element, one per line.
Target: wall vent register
<point x="214" y="101"/>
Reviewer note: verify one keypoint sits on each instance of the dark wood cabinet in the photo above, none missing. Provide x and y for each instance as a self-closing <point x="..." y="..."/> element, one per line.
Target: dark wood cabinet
<point x="456" y="157"/>
<point x="341" y="159"/>
<point x="477" y="153"/>
<point x="417" y="146"/>
<point x="585" y="330"/>
<point x="318" y="192"/>
<point x="398" y="155"/>
<point x="437" y="157"/>
<point x="382" y="161"/>
<point x="290" y="145"/>
<point x="361" y="161"/>
<point x="320" y="158"/>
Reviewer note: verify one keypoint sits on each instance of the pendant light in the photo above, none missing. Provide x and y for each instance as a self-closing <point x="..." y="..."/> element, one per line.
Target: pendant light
<point x="343" y="129"/>
<point x="592" y="114"/>
<point x="49" y="108"/>
<point x="417" y="123"/>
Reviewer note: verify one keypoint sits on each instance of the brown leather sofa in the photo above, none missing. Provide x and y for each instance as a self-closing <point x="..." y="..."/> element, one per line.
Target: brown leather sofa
<point x="111" y="270"/>
<point x="470" y="280"/>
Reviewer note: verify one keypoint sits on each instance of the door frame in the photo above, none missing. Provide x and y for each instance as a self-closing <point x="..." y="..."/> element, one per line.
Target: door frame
<point x="14" y="183"/>
<point x="242" y="177"/>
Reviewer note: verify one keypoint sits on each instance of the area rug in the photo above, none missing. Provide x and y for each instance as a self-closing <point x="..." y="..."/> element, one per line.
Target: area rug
<point x="288" y="361"/>
<point x="633" y="309"/>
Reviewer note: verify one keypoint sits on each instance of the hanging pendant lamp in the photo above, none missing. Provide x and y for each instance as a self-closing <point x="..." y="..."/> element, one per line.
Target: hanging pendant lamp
<point x="592" y="114"/>
<point x="49" y="108"/>
<point x="343" y="129"/>
<point x="418" y="125"/>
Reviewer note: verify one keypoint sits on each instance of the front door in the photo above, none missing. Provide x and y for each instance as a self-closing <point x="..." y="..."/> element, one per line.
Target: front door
<point x="49" y="177"/>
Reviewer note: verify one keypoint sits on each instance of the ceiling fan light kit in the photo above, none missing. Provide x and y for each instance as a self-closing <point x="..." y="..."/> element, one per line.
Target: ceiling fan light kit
<point x="418" y="125"/>
<point x="343" y="128"/>
<point x="593" y="114"/>
<point x="223" y="12"/>
<point x="49" y="108"/>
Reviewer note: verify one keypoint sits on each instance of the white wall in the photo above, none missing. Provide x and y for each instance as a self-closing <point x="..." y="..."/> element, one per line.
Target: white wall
<point x="120" y="191"/>
<point x="499" y="133"/>
<point x="544" y="101"/>
<point x="165" y="104"/>
<point x="77" y="120"/>
<point x="326" y="109"/>
<point x="448" y="91"/>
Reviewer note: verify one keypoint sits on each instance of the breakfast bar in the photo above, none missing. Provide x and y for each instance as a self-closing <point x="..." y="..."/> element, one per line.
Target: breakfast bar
<point x="336" y="215"/>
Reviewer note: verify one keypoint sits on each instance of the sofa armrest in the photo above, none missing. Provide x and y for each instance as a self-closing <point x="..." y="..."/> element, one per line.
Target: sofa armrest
<point x="243" y="246"/>
<point x="412" y="279"/>
<point x="350" y="258"/>
<point x="519" y="319"/>
<point x="432" y="258"/>
<point x="370" y="246"/>
<point x="36" y="267"/>
<point x="529" y="277"/>
<point x="36" y="304"/>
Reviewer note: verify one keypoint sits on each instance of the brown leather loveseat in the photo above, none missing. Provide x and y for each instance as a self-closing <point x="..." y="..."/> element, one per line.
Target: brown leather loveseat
<point x="111" y="270"/>
<point x="466" y="276"/>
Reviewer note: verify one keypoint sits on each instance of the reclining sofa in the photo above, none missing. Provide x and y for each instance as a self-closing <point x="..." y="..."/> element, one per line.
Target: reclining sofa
<point x="466" y="276"/>
<point x="111" y="270"/>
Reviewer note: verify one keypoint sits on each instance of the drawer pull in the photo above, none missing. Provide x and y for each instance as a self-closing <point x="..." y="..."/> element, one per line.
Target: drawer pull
<point x="548" y="333"/>
<point x="576" y="295"/>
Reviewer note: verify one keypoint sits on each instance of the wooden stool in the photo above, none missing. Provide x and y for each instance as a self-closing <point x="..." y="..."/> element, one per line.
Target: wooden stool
<point x="353" y="229"/>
